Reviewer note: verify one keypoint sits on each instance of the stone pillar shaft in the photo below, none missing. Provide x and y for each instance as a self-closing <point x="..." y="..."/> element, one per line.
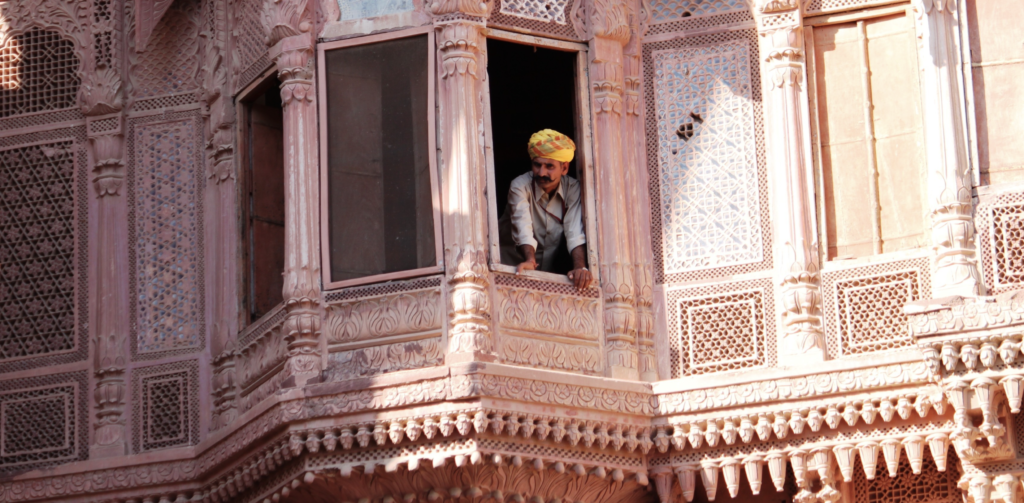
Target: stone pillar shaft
<point x="461" y="49"/>
<point x="949" y="178"/>
<point x="801" y="339"/>
<point x="302" y="206"/>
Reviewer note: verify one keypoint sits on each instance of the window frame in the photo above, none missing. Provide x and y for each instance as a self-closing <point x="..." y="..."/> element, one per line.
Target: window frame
<point x="435" y="191"/>
<point x="898" y="7"/>
<point x="584" y="157"/>
<point x="243" y="112"/>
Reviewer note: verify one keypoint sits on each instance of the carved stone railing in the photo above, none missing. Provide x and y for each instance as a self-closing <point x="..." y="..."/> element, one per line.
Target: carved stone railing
<point x="262" y="352"/>
<point x="384" y="328"/>
<point x="548" y="325"/>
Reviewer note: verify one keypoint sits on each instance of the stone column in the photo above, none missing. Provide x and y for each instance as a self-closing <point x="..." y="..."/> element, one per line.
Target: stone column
<point x="945" y="131"/>
<point x="461" y="68"/>
<point x="801" y="339"/>
<point x="289" y="27"/>
<point x="222" y="219"/>
<point x="110" y="305"/>
<point x="101" y="99"/>
<point x="638" y="202"/>
<point x="608" y="32"/>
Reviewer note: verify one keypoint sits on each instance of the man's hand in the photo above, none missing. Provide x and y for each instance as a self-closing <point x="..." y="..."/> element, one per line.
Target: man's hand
<point x="529" y="265"/>
<point x="581" y="278"/>
<point x="579" y="274"/>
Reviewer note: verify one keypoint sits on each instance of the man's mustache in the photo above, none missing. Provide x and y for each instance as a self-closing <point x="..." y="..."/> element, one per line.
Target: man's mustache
<point x="543" y="179"/>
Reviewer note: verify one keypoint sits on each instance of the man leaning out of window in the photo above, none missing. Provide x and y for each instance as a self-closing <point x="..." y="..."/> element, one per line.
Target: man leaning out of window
<point x="542" y="226"/>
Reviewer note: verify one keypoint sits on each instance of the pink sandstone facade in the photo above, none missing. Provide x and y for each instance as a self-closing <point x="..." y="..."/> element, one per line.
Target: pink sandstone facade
<point x="805" y="219"/>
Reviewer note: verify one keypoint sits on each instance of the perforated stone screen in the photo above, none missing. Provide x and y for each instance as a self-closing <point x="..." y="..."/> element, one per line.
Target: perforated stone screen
<point x="547" y="17"/>
<point x="931" y="486"/>
<point x="165" y="405"/>
<point x="37" y="250"/>
<point x="42" y="421"/>
<point x="249" y="50"/>
<point x="720" y="328"/>
<point x="165" y="185"/>
<point x="708" y="181"/>
<point x="38" y="72"/>
<point x="1000" y="239"/>
<point x="863" y="305"/>
<point x="170" y="63"/>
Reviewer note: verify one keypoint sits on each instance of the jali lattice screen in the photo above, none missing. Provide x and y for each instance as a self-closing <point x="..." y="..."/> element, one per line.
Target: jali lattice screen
<point x="43" y="421"/>
<point x="37" y="248"/>
<point x="38" y="72"/>
<point x="165" y="193"/>
<point x="710" y="212"/>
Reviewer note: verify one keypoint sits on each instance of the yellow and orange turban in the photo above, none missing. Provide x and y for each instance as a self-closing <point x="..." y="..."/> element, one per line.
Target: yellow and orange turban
<point x="552" y="145"/>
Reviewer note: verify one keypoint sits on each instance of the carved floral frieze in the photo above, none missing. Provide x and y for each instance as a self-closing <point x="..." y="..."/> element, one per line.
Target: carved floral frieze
<point x="549" y="354"/>
<point x="386" y="358"/>
<point x="548" y="313"/>
<point x="391" y="315"/>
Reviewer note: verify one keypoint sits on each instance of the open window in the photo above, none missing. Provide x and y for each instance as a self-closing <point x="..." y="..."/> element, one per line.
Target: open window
<point x="262" y="187"/>
<point x="534" y="84"/>
<point x="380" y="209"/>
<point x="868" y="130"/>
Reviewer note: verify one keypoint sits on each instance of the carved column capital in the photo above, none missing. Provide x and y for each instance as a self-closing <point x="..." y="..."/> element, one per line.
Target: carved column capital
<point x="108" y="163"/>
<point x="283" y="19"/>
<point x="609" y="19"/>
<point x="784" y="49"/>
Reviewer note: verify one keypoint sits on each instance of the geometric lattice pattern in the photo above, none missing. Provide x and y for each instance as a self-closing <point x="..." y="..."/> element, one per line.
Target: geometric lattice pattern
<point x="710" y="211"/>
<point x="718" y="331"/>
<point x="250" y="50"/>
<point x="167" y="248"/>
<point x="40" y="420"/>
<point x="540" y="10"/>
<point x="170" y="63"/>
<point x="870" y="311"/>
<point x="665" y="10"/>
<point x="166" y="407"/>
<point x="1008" y="243"/>
<point x="931" y="486"/>
<point x="822" y="6"/>
<point x="358" y="9"/>
<point x="37" y="244"/>
<point x="550" y="17"/>
<point x="38" y="71"/>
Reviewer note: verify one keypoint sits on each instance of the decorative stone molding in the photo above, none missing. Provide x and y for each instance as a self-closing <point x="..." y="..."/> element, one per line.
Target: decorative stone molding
<point x="955" y="315"/>
<point x="949" y="177"/>
<point x="817" y="385"/>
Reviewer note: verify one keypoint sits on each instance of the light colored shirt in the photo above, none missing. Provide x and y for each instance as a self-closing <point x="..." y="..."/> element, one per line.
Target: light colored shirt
<point x="544" y="221"/>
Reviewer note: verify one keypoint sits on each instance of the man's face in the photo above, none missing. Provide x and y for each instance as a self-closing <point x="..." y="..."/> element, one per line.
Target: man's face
<point x="548" y="173"/>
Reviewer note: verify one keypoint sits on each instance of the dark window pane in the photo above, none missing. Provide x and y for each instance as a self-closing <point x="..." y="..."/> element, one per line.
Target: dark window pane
<point x="381" y="217"/>
<point x="265" y="231"/>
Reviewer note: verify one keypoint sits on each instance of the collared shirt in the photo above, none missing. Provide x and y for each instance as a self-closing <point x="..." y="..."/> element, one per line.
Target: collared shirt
<point x="546" y="222"/>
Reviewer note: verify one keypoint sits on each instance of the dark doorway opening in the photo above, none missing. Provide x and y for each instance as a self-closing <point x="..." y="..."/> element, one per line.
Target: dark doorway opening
<point x="531" y="88"/>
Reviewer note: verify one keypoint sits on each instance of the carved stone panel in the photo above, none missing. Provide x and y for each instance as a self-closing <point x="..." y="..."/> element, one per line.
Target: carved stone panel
<point x="165" y="405"/>
<point x="720" y="328"/>
<point x="705" y="154"/>
<point x="863" y="306"/>
<point x="43" y="421"/>
<point x="548" y="325"/>
<point x="385" y="328"/>
<point x="165" y="183"/>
